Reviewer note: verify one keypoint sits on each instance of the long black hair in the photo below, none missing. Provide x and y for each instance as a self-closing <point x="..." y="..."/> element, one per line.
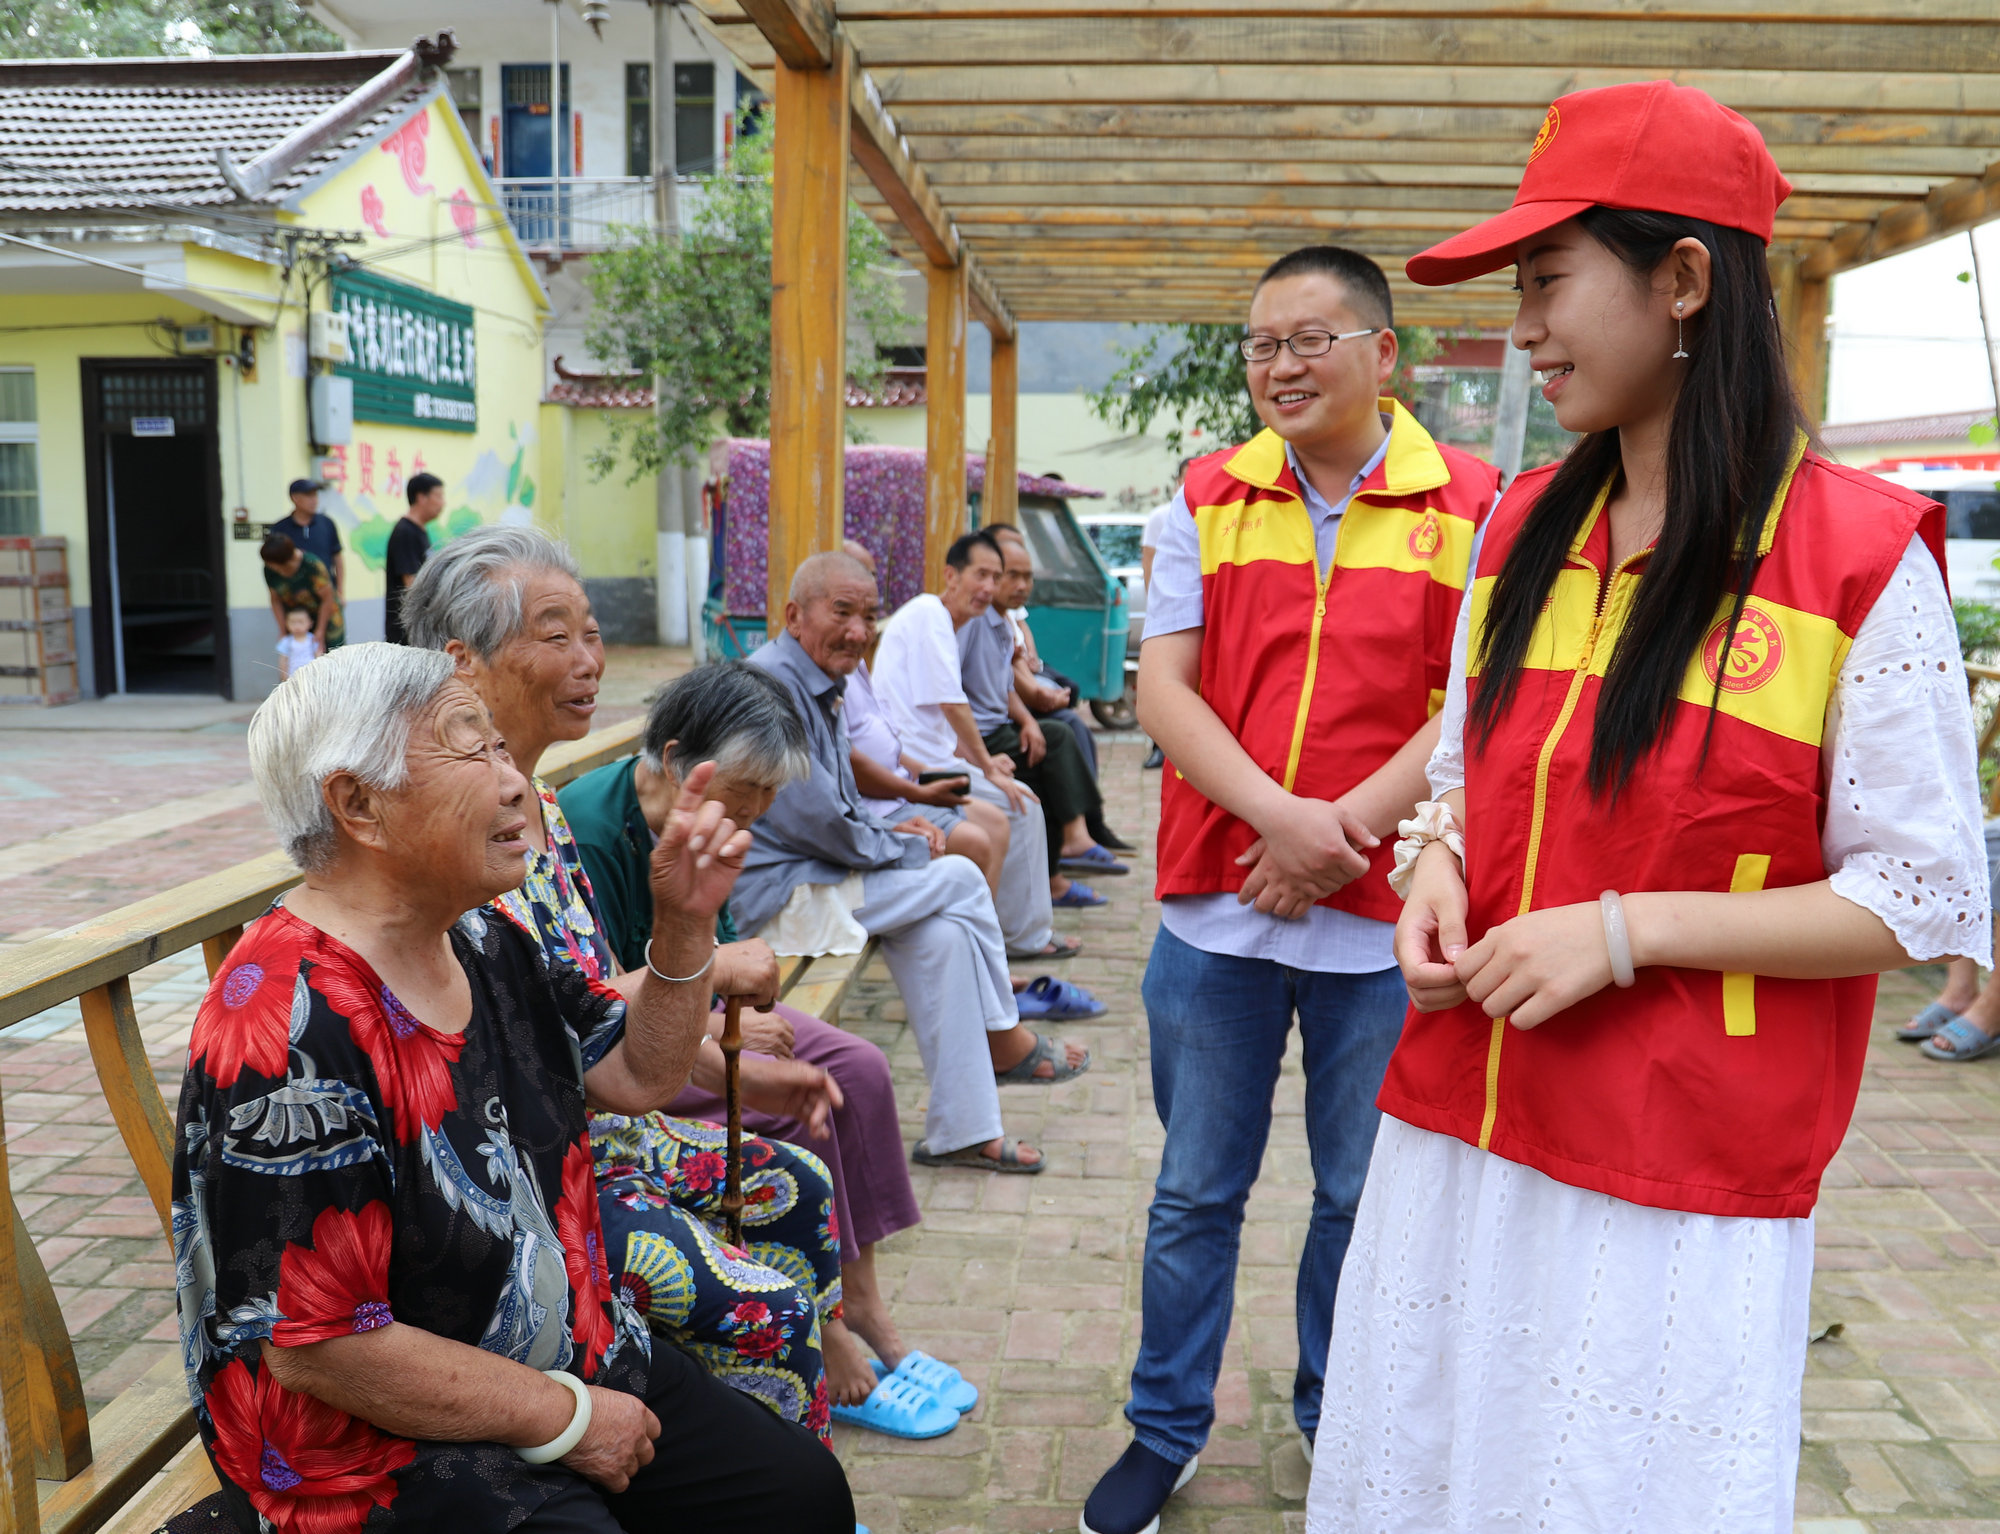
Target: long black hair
<point x="1736" y="423"/>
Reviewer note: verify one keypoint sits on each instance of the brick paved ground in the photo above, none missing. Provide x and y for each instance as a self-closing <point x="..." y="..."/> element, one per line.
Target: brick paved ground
<point x="1030" y="1283"/>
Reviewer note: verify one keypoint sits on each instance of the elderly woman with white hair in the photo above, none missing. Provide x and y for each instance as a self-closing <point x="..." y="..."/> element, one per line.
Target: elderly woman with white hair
<point x="394" y="1304"/>
<point x="508" y="606"/>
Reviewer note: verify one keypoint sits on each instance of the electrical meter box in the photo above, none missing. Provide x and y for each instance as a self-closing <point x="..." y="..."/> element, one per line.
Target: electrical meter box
<point x="332" y="410"/>
<point x="326" y="337"/>
<point x="197" y="338"/>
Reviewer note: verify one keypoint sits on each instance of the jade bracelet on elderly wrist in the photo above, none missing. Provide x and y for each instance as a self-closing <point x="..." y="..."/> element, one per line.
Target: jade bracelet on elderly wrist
<point x="571" y="1436"/>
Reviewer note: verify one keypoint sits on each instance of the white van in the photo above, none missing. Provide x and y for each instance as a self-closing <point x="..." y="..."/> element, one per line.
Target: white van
<point x="1971" y="499"/>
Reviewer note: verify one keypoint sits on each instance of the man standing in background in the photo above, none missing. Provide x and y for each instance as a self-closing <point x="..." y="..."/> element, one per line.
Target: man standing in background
<point x="312" y="533"/>
<point x="409" y="546"/>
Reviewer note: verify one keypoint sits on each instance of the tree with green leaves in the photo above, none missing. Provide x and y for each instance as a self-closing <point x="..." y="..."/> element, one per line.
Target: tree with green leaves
<point x="695" y="312"/>
<point x="1192" y="376"/>
<point x="67" y="29"/>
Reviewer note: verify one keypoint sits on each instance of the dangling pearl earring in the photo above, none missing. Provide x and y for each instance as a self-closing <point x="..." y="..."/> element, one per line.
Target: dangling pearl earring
<point x="1680" y="333"/>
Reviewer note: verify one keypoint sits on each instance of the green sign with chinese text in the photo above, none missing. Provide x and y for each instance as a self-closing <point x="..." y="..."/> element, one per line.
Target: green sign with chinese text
<point x="410" y="353"/>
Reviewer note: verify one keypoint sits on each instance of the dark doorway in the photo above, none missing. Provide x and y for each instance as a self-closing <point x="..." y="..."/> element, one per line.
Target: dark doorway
<point x="159" y="608"/>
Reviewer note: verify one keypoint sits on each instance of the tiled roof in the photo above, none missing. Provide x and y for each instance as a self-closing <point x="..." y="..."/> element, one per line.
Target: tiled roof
<point x="599" y="391"/>
<point x="1914" y="428"/>
<point x="901" y="388"/>
<point x="103" y="135"/>
<point x="625" y="391"/>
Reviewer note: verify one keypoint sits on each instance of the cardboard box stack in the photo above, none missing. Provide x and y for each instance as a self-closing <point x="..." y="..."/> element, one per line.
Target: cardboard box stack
<point x="37" y="633"/>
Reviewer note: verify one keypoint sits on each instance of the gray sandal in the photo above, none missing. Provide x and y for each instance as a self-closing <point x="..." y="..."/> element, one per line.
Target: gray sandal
<point x="1023" y="1070"/>
<point x="1967" y="1042"/>
<point x="1926" y="1023"/>
<point x="971" y="1155"/>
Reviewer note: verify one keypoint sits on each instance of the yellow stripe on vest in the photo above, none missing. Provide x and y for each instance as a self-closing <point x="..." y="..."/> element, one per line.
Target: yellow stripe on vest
<point x="1561" y="633"/>
<point x="1739" y="992"/>
<point x="1427" y="542"/>
<point x="1779" y="671"/>
<point x="1244" y="532"/>
<point x="1778" y="676"/>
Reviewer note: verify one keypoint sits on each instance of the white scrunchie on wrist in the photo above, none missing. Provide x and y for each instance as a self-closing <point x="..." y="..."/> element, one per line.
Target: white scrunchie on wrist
<point x="1433" y="822"/>
<point x="571" y="1436"/>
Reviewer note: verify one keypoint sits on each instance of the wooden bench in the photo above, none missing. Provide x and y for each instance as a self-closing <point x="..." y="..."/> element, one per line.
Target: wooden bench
<point x="138" y="1462"/>
<point x="818" y="986"/>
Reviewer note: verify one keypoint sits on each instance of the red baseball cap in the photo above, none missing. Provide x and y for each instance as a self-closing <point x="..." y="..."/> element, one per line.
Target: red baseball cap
<point x="1657" y="146"/>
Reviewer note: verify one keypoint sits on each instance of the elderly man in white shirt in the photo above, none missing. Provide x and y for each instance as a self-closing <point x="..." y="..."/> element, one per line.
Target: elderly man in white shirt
<point x="918" y="683"/>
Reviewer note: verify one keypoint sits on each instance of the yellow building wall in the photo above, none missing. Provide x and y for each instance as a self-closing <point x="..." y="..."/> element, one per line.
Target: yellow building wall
<point x="609" y="525"/>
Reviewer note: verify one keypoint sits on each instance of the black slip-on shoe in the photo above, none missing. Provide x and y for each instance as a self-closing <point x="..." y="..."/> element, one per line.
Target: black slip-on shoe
<point x="1128" y="1497"/>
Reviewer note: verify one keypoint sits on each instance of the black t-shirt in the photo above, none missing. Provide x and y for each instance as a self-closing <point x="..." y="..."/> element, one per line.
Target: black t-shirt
<point x="409" y="545"/>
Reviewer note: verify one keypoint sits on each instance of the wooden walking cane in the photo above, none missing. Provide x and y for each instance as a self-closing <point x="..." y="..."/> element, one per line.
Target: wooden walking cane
<point x="732" y="1095"/>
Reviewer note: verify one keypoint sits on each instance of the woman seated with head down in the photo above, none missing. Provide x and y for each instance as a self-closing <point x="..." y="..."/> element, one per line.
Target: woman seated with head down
<point x="507" y="606"/>
<point x="394" y="1304"/>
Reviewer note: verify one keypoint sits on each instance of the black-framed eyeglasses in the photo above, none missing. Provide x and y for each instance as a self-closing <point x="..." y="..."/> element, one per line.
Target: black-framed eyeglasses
<point x="1304" y="343"/>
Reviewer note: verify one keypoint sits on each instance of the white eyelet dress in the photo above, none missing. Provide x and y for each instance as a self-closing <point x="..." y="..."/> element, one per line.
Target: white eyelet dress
<point x="1513" y="1353"/>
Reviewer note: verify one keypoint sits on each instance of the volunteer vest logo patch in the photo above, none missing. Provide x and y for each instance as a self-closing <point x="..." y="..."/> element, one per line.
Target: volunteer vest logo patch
<point x="1546" y="135"/>
<point x="1754" y="655"/>
<point x="1427" y="537"/>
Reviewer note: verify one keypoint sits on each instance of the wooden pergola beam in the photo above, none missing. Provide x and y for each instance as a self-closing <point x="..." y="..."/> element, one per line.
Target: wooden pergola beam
<point x="885" y="159"/>
<point x="1033" y="174"/>
<point x="1631" y="41"/>
<point x="799" y="32"/>
<point x="1031" y="149"/>
<point x="1507" y="127"/>
<point x="1523" y="84"/>
<point x="1951" y="209"/>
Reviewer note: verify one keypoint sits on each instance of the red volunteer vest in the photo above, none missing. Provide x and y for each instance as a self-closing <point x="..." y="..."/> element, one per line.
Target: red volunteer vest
<point x="1712" y="1093"/>
<point x="1321" y="681"/>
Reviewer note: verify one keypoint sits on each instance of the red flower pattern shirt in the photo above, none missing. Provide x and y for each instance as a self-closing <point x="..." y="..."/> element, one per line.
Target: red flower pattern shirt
<point x="342" y="1165"/>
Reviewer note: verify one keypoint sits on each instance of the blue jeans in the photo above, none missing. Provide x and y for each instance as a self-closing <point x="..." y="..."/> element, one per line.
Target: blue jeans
<point x="1219" y="1027"/>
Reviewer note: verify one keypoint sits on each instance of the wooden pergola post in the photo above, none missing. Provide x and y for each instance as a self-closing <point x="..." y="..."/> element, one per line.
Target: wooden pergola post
<point x="944" y="419"/>
<point x="808" y="319"/>
<point x="1003" y="486"/>
<point x="1802" y="310"/>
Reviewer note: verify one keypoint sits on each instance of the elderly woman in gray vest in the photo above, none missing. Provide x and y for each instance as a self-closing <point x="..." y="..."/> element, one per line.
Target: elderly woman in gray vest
<point x="393" y="1298"/>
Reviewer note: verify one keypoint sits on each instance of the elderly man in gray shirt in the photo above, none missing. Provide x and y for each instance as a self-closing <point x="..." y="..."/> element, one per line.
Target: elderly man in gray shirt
<point x="932" y="912"/>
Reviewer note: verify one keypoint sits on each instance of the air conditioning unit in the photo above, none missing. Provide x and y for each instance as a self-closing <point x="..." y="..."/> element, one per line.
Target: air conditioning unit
<point x="326" y="337"/>
<point x="197" y="338"/>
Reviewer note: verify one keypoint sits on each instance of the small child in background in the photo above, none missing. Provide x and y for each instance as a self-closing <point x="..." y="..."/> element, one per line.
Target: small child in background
<point x="298" y="647"/>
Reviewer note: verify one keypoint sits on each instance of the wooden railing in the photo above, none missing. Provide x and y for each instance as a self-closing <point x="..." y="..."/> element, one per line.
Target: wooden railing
<point x="64" y="1472"/>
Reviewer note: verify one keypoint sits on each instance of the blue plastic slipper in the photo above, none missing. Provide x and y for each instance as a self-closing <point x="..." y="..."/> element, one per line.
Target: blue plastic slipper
<point x="1967" y="1042"/>
<point x="1926" y="1023"/>
<point x="1056" y="1001"/>
<point x="1095" y="861"/>
<point x="901" y="1408"/>
<point x="935" y="1377"/>
<point x="1077" y="896"/>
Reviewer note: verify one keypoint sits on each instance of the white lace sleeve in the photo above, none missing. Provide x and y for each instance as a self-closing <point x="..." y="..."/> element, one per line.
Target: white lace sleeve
<point x="1446" y="768"/>
<point x="1904" y="833"/>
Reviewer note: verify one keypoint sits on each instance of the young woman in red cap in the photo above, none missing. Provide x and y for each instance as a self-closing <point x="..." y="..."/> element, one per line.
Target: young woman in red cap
<point x="1706" y="767"/>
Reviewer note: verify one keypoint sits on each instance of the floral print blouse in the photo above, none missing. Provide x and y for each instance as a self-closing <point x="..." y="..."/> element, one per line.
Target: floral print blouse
<point x="555" y="902"/>
<point x="342" y="1165"/>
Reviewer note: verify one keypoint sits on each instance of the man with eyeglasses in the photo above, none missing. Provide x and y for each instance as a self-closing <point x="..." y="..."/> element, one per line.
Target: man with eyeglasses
<point x="1299" y="623"/>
